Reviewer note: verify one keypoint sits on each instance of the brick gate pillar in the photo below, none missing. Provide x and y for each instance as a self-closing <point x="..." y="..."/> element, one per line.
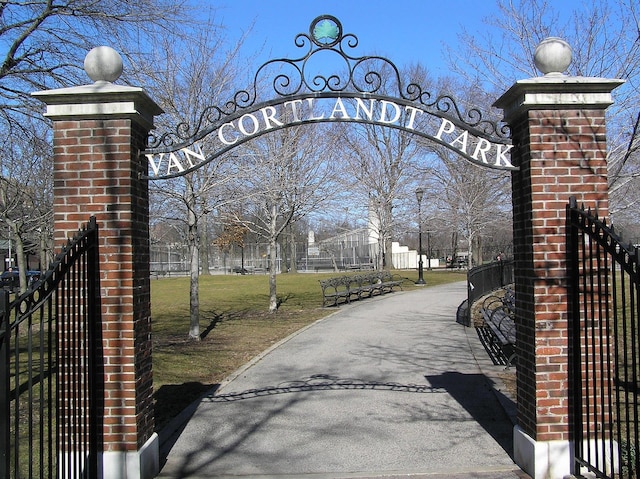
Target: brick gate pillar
<point x="558" y="133"/>
<point x="98" y="132"/>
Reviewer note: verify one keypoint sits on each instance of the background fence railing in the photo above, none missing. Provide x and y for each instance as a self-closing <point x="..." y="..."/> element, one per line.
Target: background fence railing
<point x="481" y="280"/>
<point x="604" y="350"/>
<point x="49" y="368"/>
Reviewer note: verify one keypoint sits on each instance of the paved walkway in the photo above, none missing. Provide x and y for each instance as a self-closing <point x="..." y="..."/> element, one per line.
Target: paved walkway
<point x="387" y="387"/>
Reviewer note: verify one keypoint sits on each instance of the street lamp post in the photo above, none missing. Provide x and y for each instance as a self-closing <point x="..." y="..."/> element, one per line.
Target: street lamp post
<point x="419" y="194"/>
<point x="429" y="250"/>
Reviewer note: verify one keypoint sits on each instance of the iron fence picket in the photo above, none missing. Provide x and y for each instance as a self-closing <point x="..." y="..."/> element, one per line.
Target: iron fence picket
<point x="5" y="411"/>
<point x="46" y="384"/>
<point x="604" y="350"/>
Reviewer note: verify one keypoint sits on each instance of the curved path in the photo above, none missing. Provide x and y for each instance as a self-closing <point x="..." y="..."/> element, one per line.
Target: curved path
<point x="387" y="387"/>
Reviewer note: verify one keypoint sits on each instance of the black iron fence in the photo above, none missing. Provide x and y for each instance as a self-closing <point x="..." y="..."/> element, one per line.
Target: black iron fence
<point x="604" y="351"/>
<point x="49" y="362"/>
<point x="481" y="280"/>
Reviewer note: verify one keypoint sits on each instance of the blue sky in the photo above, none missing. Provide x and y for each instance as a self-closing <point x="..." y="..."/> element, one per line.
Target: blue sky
<point x="404" y="31"/>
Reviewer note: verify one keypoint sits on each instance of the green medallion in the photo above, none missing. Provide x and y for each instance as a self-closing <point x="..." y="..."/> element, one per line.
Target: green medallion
<point x="326" y="31"/>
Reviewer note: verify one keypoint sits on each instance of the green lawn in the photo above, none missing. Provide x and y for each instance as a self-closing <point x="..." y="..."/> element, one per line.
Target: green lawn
<point x="235" y="326"/>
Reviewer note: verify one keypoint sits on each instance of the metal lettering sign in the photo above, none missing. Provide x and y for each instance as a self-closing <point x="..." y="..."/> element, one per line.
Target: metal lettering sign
<point x="361" y="94"/>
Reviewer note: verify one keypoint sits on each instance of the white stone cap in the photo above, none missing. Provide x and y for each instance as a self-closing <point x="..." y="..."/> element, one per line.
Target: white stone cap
<point x="102" y="99"/>
<point x="556" y="91"/>
<point x="560" y="92"/>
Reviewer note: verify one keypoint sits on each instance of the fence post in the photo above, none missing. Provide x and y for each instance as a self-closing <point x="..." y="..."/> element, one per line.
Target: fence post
<point x="5" y="385"/>
<point x="99" y="131"/>
<point x="558" y="133"/>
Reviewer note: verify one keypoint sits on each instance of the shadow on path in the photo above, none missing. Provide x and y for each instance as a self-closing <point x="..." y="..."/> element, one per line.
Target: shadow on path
<point x="477" y="395"/>
<point x="180" y="406"/>
<point x="320" y="382"/>
<point x="471" y="391"/>
<point x="221" y="445"/>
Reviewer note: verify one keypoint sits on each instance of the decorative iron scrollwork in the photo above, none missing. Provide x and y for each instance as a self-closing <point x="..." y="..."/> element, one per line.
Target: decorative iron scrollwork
<point x="27" y="303"/>
<point x="626" y="255"/>
<point x="367" y="75"/>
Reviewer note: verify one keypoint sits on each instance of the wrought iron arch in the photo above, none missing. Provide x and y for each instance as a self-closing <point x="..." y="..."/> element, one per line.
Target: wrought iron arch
<point x="293" y="84"/>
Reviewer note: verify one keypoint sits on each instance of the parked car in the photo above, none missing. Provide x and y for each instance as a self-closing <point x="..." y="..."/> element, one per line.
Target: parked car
<point x="11" y="279"/>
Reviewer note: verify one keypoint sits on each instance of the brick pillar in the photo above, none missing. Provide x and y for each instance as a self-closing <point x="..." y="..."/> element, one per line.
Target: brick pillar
<point x="558" y="132"/>
<point x="98" y="132"/>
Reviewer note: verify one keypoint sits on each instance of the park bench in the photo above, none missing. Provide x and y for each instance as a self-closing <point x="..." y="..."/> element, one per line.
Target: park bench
<point x="336" y="290"/>
<point x="342" y="289"/>
<point x="498" y="312"/>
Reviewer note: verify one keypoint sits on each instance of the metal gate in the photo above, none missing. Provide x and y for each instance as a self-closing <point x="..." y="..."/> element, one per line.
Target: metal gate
<point x="50" y="369"/>
<point x="604" y="350"/>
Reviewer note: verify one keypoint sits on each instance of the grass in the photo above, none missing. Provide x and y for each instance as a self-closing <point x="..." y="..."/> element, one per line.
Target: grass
<point x="235" y="327"/>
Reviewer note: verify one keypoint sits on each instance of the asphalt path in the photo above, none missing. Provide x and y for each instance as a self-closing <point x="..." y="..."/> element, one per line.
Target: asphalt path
<point x="387" y="387"/>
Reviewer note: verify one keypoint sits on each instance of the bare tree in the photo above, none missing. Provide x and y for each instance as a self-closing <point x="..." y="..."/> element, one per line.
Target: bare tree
<point x="605" y="40"/>
<point x="470" y="198"/>
<point x="467" y="200"/>
<point x="26" y="193"/>
<point x="42" y="45"/>
<point x="384" y="167"/>
<point x="185" y="86"/>
<point x="288" y="174"/>
<point x="382" y="164"/>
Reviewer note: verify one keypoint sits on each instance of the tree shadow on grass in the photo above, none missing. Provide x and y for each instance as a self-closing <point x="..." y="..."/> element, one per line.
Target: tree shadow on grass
<point x="217" y="317"/>
<point x="283" y="298"/>
<point x="214" y="318"/>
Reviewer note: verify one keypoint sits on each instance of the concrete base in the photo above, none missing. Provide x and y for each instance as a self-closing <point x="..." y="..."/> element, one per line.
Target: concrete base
<point x="542" y="459"/>
<point x="142" y="464"/>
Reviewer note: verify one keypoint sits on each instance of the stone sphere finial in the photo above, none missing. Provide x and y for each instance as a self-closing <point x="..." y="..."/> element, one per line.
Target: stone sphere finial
<point x="553" y="56"/>
<point x="103" y="64"/>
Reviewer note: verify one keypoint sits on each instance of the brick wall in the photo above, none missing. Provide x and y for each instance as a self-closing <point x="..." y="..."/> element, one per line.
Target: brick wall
<point x="96" y="172"/>
<point x="561" y="153"/>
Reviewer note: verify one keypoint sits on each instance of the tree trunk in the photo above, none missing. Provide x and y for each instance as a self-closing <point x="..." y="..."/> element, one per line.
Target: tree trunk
<point x="293" y="257"/>
<point x="273" y="294"/>
<point x="194" y="297"/>
<point x="380" y="260"/>
<point x="387" y="236"/>
<point x="204" y="245"/>
<point x="22" y="264"/>
<point x="44" y="252"/>
<point x="454" y="247"/>
<point x="284" y="260"/>
<point x="388" y="254"/>
<point x="333" y="262"/>
<point x="194" y="270"/>
<point x="470" y="250"/>
<point x="477" y="255"/>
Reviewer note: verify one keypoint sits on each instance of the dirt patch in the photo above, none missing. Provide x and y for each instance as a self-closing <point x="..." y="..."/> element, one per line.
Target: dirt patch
<point x="508" y="378"/>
